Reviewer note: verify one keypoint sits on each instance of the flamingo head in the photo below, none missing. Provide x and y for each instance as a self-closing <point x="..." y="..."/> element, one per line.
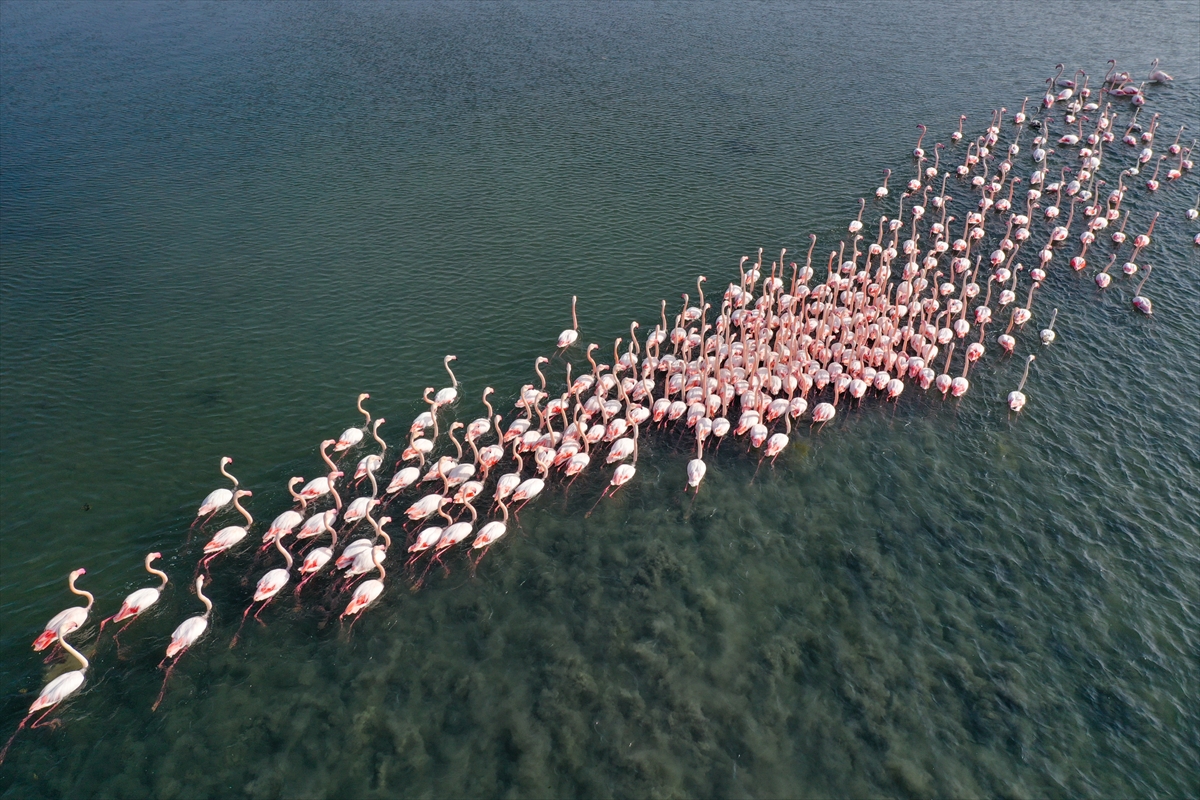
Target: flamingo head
<point x="78" y="572"/>
<point x="154" y="556"/>
<point x="226" y="460"/>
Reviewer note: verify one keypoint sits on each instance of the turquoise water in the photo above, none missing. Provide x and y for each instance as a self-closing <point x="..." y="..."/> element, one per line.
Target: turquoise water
<point x="219" y="223"/>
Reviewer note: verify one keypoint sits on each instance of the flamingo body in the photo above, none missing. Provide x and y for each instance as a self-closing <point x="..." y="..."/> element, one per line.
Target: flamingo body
<point x="186" y="634"/>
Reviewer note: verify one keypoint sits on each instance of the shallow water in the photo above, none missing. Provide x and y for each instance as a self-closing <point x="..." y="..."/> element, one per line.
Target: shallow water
<point x="219" y="223"/>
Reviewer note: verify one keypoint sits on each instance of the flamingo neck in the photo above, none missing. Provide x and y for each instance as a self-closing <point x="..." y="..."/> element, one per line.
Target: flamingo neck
<point x="200" y="594"/>
<point x="286" y="555"/>
<point x="237" y="504"/>
<point x="91" y="600"/>
<point x="83" y="662"/>
<point x="157" y="573"/>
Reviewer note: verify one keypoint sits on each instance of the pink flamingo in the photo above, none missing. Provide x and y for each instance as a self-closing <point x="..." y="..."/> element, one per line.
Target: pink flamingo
<point x="570" y="335"/>
<point x="184" y="637"/>
<point x="367" y="591"/>
<point x="1141" y="303"/>
<point x="490" y="533"/>
<point x="139" y="601"/>
<point x="229" y="536"/>
<point x="68" y="620"/>
<point x="217" y="498"/>
<point x="268" y="586"/>
<point x="622" y="475"/>
<point x="53" y="693"/>
<point x="352" y="436"/>
<point x="1016" y="398"/>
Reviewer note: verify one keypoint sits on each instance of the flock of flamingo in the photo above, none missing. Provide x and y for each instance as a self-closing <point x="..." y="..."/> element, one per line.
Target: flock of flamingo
<point x="896" y="313"/>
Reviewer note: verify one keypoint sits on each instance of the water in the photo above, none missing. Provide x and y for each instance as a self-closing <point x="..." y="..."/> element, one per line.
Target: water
<point x="219" y="223"/>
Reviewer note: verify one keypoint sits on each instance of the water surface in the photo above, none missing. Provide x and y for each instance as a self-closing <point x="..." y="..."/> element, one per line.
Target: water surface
<point x="219" y="223"/>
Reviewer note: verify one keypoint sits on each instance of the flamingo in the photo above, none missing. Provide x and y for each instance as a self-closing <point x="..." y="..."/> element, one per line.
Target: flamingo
<point x="856" y="224"/>
<point x="622" y="475"/>
<point x="53" y="692"/>
<point x="1141" y="303"/>
<point x="363" y="560"/>
<point x="1157" y="75"/>
<point x="359" y="507"/>
<point x="316" y="559"/>
<point x="958" y="134"/>
<point x="217" y="498"/>
<point x="285" y="523"/>
<point x="778" y="441"/>
<point x="428" y="537"/>
<point x="882" y="191"/>
<point x="571" y="335"/>
<point x="425" y="507"/>
<point x="321" y="486"/>
<point x="490" y="533"/>
<point x="352" y="436"/>
<point x="368" y="591"/>
<point x="372" y="462"/>
<point x="1047" y="333"/>
<point x="268" y="586"/>
<point x="446" y="396"/>
<point x="318" y="523"/>
<point x="229" y="536"/>
<point x="68" y="620"/>
<point x="139" y="601"/>
<point x="1016" y="399"/>
<point x="184" y="637"/>
<point x="696" y="467"/>
<point x="402" y="480"/>
<point x="456" y="532"/>
<point x="359" y="546"/>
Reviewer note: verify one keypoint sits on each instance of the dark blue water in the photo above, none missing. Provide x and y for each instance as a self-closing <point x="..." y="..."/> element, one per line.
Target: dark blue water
<point x="220" y="222"/>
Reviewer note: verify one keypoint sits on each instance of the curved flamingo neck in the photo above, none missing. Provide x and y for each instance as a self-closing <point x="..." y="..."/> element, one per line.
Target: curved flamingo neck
<point x="446" y="363"/>
<point x="325" y="455"/>
<point x="83" y="662"/>
<point x="238" y="505"/>
<point x="1025" y="375"/>
<point x="227" y="475"/>
<point x="91" y="599"/>
<point x="337" y="498"/>
<point x="203" y="599"/>
<point x="362" y="410"/>
<point x="286" y="555"/>
<point x="156" y="572"/>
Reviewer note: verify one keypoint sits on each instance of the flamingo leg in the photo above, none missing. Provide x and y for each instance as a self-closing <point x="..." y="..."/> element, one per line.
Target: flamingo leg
<point x="54" y="723"/>
<point x="166" y="678"/>
<point x="233" y="643"/>
<point x="7" y="745"/>
<point x="601" y="497"/>
<point x="260" y="609"/>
